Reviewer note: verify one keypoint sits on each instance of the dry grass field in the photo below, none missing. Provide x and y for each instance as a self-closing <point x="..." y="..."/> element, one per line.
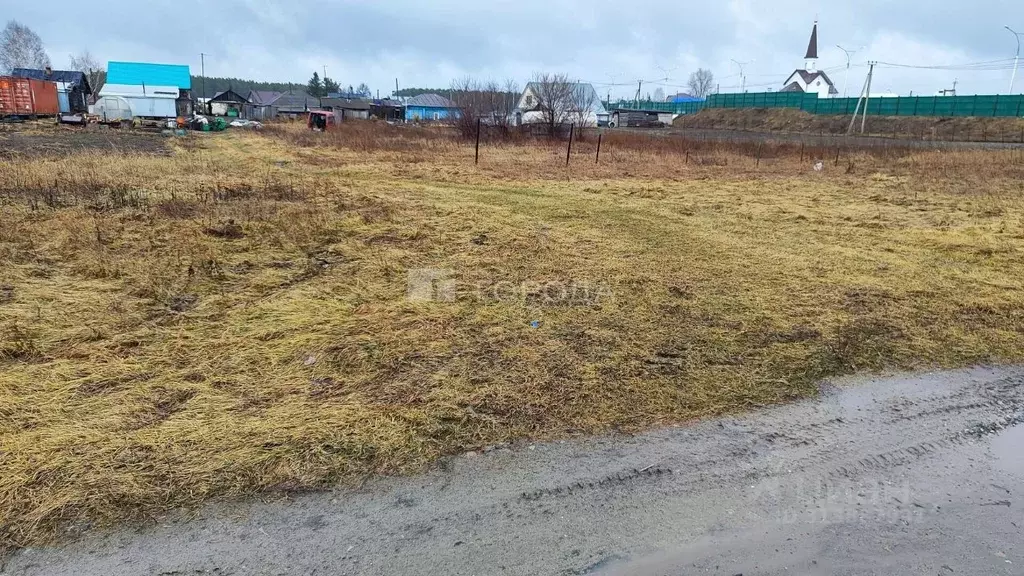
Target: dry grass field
<point x="245" y="314"/>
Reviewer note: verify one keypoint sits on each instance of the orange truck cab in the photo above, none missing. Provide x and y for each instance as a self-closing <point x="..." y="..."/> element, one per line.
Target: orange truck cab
<point x="320" y="121"/>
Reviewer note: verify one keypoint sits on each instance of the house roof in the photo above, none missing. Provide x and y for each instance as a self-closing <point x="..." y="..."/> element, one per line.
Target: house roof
<point x="65" y="76"/>
<point x="263" y="97"/>
<point x="296" y="101"/>
<point x="430" y="101"/>
<point x="792" y="87"/>
<point x="228" y="96"/>
<point x="139" y="73"/>
<point x="812" y="46"/>
<point x="345" y="103"/>
<point x="809" y="77"/>
<point x="683" y="97"/>
<point x="388" y="103"/>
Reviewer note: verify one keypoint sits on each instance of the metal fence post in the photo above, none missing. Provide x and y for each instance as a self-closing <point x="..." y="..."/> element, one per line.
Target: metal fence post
<point x="569" y="149"/>
<point x="477" y="160"/>
<point x="597" y="157"/>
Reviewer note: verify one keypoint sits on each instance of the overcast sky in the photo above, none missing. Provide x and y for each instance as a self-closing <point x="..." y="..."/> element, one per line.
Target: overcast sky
<point x="611" y="44"/>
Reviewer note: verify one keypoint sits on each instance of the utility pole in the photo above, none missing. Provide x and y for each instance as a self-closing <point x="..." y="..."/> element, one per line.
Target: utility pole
<point x="861" y="98"/>
<point x="867" y="96"/>
<point x="743" y="77"/>
<point x="1016" y="58"/>
<point x="202" y="64"/>
<point x="846" y="79"/>
<point x="639" y="85"/>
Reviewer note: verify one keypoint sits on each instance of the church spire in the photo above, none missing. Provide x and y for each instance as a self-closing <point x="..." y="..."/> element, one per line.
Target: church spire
<point x="812" y="49"/>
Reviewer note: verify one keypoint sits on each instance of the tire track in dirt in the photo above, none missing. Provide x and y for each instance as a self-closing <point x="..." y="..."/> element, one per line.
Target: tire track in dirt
<point x="569" y="507"/>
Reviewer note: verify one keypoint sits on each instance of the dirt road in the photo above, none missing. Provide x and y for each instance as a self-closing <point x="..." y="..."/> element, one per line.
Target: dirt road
<point x="918" y="474"/>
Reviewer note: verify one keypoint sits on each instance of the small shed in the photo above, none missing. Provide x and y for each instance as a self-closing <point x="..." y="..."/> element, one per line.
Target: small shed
<point x="347" y="108"/>
<point x="263" y="103"/>
<point x="430" y="108"/>
<point x="73" y="87"/>
<point x="229" y="103"/>
<point x="387" y="109"/>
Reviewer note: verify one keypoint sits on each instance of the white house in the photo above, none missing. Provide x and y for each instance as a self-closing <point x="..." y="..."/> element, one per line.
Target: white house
<point x="810" y="79"/>
<point x="529" y="109"/>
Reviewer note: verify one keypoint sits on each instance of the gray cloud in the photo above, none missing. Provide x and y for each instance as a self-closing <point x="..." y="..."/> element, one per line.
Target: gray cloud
<point x="610" y="43"/>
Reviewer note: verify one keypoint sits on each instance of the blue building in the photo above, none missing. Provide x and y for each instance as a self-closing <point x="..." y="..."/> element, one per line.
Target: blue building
<point x="152" y="90"/>
<point x="430" y="108"/>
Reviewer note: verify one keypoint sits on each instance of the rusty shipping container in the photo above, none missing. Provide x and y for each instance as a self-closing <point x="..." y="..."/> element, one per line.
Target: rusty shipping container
<point x="27" y="97"/>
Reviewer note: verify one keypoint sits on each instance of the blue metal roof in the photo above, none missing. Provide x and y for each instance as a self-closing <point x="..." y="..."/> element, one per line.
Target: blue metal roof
<point x="139" y="73"/>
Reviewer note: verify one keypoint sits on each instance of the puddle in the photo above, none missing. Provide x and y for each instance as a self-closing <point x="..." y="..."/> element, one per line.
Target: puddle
<point x="1008" y="448"/>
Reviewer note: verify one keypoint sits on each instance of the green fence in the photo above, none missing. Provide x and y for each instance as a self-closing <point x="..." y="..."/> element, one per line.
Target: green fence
<point x="994" y="105"/>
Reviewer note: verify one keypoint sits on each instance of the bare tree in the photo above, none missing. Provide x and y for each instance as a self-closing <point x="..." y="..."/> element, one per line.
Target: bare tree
<point x="484" y="101"/>
<point x="581" y="105"/>
<point x="20" y="47"/>
<point x="659" y="95"/>
<point x="701" y="82"/>
<point x="513" y="91"/>
<point x="552" y="95"/>
<point x="93" y="70"/>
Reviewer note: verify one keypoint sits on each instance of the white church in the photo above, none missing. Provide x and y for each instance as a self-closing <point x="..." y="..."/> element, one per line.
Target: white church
<point x="810" y="80"/>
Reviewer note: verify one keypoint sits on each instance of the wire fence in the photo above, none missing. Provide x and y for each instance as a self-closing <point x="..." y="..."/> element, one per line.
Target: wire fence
<point x="703" y="144"/>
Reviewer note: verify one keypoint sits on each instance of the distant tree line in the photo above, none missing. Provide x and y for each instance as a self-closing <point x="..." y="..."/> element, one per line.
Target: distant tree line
<point x="214" y="85"/>
<point x="410" y="92"/>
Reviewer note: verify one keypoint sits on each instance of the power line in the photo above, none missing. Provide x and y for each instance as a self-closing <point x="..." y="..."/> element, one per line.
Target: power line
<point x="1003" y="64"/>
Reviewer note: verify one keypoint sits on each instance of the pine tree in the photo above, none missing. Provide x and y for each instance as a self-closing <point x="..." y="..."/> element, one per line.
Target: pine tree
<point x="315" y="87"/>
<point x="330" y="86"/>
